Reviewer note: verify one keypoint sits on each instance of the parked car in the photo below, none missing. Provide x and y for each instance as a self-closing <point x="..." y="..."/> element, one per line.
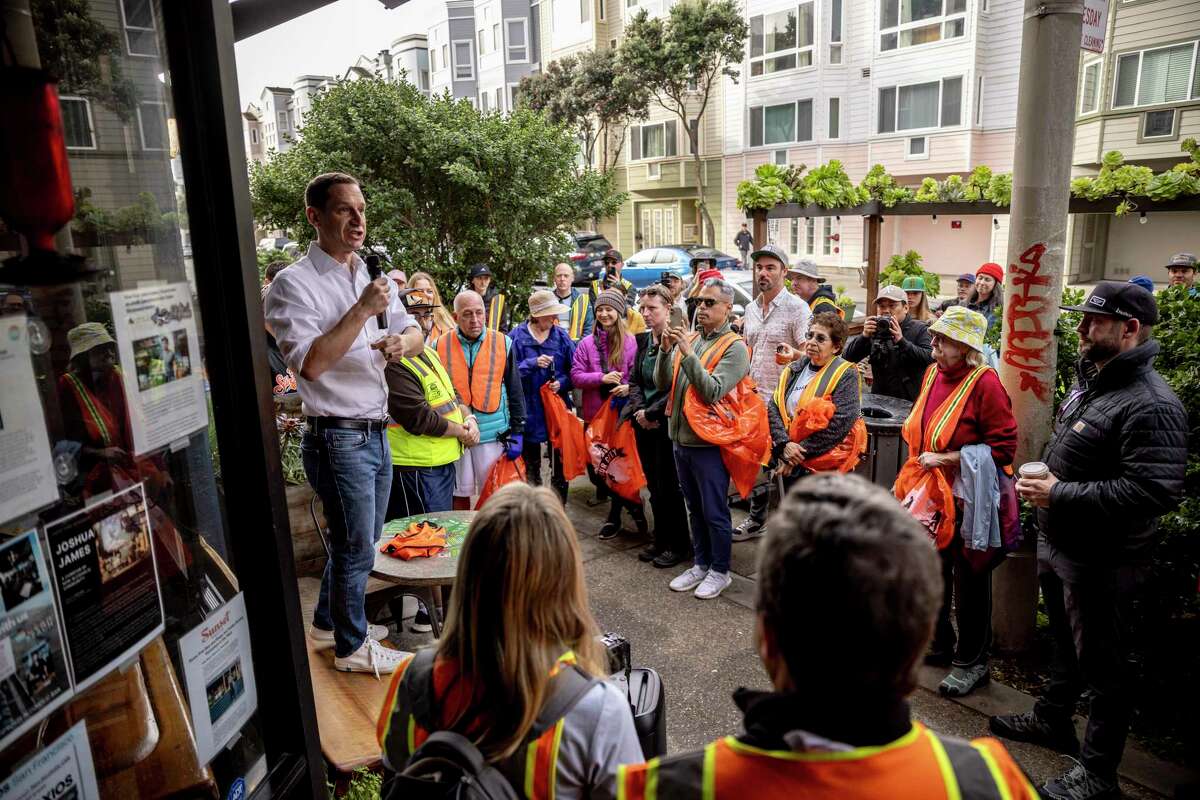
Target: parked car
<point x="646" y="266"/>
<point x="588" y="258"/>
<point x="743" y="295"/>
<point x="724" y="262"/>
<point x="275" y="243"/>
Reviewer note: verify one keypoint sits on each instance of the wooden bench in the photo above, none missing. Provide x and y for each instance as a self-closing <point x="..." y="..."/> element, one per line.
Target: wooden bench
<point x="348" y="703"/>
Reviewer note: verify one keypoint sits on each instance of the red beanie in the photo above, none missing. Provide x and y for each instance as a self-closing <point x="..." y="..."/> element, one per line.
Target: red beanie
<point x="995" y="271"/>
<point x="709" y="273"/>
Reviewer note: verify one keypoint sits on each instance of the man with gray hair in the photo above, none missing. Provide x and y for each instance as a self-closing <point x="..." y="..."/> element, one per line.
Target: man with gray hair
<point x="710" y="361"/>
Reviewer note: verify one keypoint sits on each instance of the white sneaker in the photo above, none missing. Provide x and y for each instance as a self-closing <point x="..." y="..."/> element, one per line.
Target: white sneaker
<point x="714" y="583"/>
<point x="371" y="657"/>
<point x="689" y="580"/>
<point x="324" y="639"/>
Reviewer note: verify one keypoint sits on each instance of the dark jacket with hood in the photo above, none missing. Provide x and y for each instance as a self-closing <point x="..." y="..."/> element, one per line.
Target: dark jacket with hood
<point x="896" y="367"/>
<point x="1119" y="452"/>
<point x="823" y="300"/>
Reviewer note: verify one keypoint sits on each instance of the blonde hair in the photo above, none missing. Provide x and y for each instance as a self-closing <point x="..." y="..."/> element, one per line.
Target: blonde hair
<point x="974" y="357"/>
<point x="920" y="311"/>
<point x="616" y="355"/>
<point x="519" y="603"/>
<point x="441" y="317"/>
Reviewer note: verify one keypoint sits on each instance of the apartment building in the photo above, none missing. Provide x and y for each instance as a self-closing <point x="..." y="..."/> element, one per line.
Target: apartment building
<point x="252" y="134"/>
<point x="410" y="58"/>
<point x="278" y="121"/>
<point x="1142" y="98"/>
<point x="452" y="57"/>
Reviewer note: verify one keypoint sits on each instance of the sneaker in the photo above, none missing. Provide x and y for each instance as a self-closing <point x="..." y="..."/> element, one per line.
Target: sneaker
<point x="324" y="639"/>
<point x="421" y="622"/>
<point x="609" y="530"/>
<point x="371" y="657"/>
<point x="1029" y="727"/>
<point x="690" y="579"/>
<point x="963" y="680"/>
<point x="714" y="583"/>
<point x="650" y="553"/>
<point x="668" y="558"/>
<point x="1080" y="783"/>
<point x="749" y="529"/>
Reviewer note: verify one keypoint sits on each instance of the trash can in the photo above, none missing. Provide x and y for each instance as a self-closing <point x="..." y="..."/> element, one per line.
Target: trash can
<point x="886" y="450"/>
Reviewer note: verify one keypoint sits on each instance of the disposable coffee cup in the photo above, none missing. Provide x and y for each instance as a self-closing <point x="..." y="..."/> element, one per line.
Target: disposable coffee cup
<point x="1034" y="469"/>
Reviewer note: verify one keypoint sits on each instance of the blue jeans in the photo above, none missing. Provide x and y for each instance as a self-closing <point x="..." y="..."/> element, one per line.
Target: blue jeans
<point x="351" y="471"/>
<point x="705" y="484"/>
<point x="420" y="490"/>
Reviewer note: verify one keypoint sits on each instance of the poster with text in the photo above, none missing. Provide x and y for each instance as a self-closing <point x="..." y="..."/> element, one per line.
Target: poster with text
<point x="106" y="581"/>
<point x="160" y="360"/>
<point x="26" y="469"/>
<point x="219" y="676"/>
<point x="33" y="668"/>
<point x="62" y="770"/>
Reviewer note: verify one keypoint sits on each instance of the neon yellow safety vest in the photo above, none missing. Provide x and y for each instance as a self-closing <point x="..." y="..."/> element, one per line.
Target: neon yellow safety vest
<point x="579" y="310"/>
<point x="409" y="450"/>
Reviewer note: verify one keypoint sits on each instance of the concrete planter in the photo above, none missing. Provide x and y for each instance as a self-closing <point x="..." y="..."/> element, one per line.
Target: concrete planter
<point x="306" y="544"/>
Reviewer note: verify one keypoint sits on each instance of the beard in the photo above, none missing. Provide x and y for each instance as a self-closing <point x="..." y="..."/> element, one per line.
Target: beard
<point x="1097" y="351"/>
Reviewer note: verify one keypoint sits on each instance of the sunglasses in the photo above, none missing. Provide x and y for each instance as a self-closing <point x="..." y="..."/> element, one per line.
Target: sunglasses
<point x="819" y="338"/>
<point x="708" y="302"/>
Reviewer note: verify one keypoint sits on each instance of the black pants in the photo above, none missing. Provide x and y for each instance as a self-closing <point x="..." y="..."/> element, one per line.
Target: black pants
<point x="532" y="453"/>
<point x="760" y="499"/>
<point x="666" y="498"/>
<point x="1090" y="612"/>
<point x="968" y="589"/>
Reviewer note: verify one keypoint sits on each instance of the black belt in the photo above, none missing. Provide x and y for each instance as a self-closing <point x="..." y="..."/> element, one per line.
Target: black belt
<point x="318" y="424"/>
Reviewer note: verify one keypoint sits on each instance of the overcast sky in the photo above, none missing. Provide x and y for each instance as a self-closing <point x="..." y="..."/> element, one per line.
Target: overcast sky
<point x="324" y="42"/>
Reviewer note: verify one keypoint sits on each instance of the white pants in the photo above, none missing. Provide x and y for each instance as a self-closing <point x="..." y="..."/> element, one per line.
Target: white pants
<point x="471" y="471"/>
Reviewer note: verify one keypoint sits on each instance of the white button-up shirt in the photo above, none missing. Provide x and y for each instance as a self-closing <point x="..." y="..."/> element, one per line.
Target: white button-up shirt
<point x="784" y="322"/>
<point x="307" y="300"/>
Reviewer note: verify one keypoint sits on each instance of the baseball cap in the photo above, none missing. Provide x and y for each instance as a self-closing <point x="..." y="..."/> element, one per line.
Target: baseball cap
<point x="806" y="268"/>
<point x="969" y="277"/>
<point x="613" y="254"/>
<point x="1182" y="260"/>
<point x="913" y="283"/>
<point x="1115" y="299"/>
<point x="1144" y="281"/>
<point x="668" y="275"/>
<point x="773" y="250"/>
<point x="704" y="254"/>
<point x="479" y="270"/>
<point x="892" y="293"/>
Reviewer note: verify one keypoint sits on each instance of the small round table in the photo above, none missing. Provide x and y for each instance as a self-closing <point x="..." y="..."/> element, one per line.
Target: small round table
<point x="422" y="575"/>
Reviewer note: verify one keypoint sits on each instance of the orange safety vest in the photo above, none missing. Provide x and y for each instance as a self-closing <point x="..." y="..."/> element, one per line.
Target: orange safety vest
<point x="814" y="411"/>
<point x="921" y="765"/>
<point x="478" y="389"/>
<point x="399" y="734"/>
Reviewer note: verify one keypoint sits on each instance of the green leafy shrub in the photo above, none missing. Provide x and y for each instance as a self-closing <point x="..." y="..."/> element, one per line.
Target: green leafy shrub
<point x="977" y="184"/>
<point x="291" y="433"/>
<point x="771" y="185"/>
<point x="880" y="185"/>
<point x="999" y="189"/>
<point x="829" y="186"/>
<point x="1128" y="182"/>
<point x="909" y="264"/>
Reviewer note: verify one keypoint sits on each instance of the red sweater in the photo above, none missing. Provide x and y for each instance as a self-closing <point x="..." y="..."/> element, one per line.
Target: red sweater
<point x="987" y="417"/>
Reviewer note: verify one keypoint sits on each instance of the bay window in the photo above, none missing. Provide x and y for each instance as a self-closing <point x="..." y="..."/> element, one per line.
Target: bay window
<point x="782" y="40"/>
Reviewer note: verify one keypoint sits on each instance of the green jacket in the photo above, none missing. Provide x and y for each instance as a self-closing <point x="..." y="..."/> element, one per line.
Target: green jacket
<point x="732" y="367"/>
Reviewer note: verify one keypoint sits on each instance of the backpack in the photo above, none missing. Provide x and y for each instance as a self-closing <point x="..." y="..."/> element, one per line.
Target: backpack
<point x="449" y="765"/>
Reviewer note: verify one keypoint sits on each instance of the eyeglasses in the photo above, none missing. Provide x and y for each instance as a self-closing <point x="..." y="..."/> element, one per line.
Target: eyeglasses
<point x="819" y="338"/>
<point x="708" y="302"/>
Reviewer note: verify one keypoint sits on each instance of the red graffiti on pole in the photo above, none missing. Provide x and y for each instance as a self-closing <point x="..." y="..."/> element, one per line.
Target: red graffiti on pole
<point x="1025" y="344"/>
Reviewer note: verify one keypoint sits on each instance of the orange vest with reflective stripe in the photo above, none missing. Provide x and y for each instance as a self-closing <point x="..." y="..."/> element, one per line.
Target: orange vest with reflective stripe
<point x="495" y="312"/>
<point x="917" y="766"/>
<point x="102" y="426"/>
<point x="399" y="734"/>
<point x="945" y="417"/>
<point x="477" y="388"/>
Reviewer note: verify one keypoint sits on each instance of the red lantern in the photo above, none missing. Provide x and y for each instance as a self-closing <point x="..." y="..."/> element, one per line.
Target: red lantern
<point x="35" y="180"/>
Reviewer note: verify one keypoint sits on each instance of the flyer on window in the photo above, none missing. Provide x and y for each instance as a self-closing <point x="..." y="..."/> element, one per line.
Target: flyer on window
<point x="33" y="670"/>
<point x="160" y="363"/>
<point x="105" y="579"/>
<point x="62" y="770"/>
<point x="27" y="479"/>
<point x="219" y="676"/>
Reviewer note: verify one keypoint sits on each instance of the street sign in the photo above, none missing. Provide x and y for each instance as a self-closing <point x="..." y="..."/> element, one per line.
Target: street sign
<point x="1095" y="24"/>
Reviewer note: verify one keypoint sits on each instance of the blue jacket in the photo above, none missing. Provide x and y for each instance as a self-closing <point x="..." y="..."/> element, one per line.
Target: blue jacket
<point x="525" y="352"/>
<point x="589" y="317"/>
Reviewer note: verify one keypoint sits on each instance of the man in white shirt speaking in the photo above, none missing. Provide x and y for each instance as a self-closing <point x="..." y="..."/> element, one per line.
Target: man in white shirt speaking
<point x="328" y="318"/>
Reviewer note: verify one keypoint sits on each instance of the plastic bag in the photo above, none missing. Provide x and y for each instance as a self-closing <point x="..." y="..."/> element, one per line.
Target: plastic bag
<point x="566" y="434"/>
<point x="926" y="494"/>
<point x="502" y="472"/>
<point x="612" y="450"/>
<point x="737" y="423"/>
<point x="844" y="456"/>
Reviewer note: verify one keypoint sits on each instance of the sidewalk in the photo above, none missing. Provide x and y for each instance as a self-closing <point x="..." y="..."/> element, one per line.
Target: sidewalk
<point x="705" y="650"/>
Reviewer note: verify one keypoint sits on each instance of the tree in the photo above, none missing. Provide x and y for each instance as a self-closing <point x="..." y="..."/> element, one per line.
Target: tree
<point x="682" y="59"/>
<point x="592" y="94"/>
<point x="83" y="55"/>
<point x="446" y="186"/>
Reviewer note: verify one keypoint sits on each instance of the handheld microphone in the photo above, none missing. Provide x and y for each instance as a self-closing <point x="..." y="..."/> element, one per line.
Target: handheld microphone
<point x="376" y="272"/>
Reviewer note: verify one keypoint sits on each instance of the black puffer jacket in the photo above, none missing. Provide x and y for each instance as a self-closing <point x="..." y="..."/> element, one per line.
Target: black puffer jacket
<point x="1119" y="451"/>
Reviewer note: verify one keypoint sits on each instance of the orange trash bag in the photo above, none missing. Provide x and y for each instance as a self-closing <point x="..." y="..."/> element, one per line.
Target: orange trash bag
<point x="926" y="494"/>
<point x="502" y="472"/>
<point x="612" y="449"/>
<point x="815" y="417"/>
<point x="566" y="434"/>
<point x="737" y="423"/>
<point x="419" y="540"/>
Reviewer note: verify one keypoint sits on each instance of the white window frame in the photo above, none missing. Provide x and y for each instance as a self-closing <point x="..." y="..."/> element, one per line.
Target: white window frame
<point x="433" y="59"/>
<point x="779" y="158"/>
<point x="497" y="37"/>
<point x="508" y="45"/>
<point x="921" y="156"/>
<point x="654" y="170"/>
<point x="90" y="120"/>
<point x="1137" y="90"/>
<point x="126" y="27"/>
<point x="498" y="98"/>
<point x="1163" y="137"/>
<point x="512" y="96"/>
<point x="900" y="27"/>
<point x="142" y="126"/>
<point x="835" y="37"/>
<point x="253" y="136"/>
<point x="636" y="130"/>
<point x="795" y="104"/>
<point x="979" y="80"/>
<point x="447" y="63"/>
<point x="829" y="116"/>
<point x="1098" y="65"/>
<point x="481" y="41"/>
<point x="484" y="101"/>
<point x="827" y="236"/>
<point x="454" y="65"/>
<point x="585" y="11"/>
<point x="797" y="51"/>
<point x="910" y="132"/>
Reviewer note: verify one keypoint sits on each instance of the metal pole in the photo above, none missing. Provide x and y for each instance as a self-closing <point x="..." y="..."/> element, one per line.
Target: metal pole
<point x="1045" y="141"/>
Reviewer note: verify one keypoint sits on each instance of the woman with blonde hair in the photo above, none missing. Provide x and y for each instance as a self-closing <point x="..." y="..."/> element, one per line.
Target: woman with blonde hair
<point x="443" y="323"/>
<point x="518" y="628"/>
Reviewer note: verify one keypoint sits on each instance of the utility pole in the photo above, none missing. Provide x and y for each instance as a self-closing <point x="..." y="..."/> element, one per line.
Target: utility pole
<point x="1045" y="143"/>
